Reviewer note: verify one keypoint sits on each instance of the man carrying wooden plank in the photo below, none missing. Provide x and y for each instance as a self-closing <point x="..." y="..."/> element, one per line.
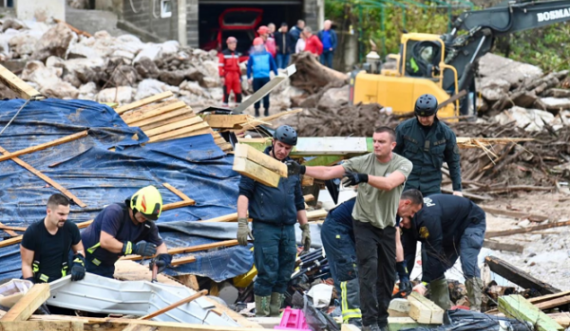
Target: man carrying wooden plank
<point x="449" y="227"/>
<point x="337" y="236"/>
<point x="274" y="211"/>
<point x="380" y="177"/>
<point x="120" y="230"/>
<point x="46" y="245"/>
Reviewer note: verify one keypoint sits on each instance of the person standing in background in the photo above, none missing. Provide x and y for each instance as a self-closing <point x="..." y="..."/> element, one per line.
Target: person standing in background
<point x="259" y="67"/>
<point x="297" y="30"/>
<point x="284" y="43"/>
<point x="329" y="40"/>
<point x="312" y="42"/>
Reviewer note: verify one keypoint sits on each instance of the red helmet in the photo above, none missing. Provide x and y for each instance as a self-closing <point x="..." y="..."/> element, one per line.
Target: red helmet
<point x="263" y="30"/>
<point x="257" y="41"/>
<point x="231" y="40"/>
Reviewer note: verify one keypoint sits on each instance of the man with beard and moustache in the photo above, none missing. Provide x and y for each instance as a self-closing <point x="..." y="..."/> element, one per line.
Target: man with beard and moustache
<point x="274" y="211"/>
<point x="380" y="177"/>
<point x="428" y="142"/>
<point x="46" y="245"/>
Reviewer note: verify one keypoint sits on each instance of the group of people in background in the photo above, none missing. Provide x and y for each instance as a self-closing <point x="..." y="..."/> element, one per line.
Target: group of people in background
<point x="271" y="51"/>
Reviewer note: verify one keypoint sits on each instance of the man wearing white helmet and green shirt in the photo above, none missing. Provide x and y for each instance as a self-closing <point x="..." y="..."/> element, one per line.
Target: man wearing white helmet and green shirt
<point x="274" y="211"/>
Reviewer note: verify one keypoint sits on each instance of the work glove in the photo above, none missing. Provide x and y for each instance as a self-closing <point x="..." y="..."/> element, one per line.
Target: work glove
<point x="162" y="262"/>
<point x="143" y="248"/>
<point x="306" y="236"/>
<point x="353" y="178"/>
<point x="78" y="267"/>
<point x="243" y="231"/>
<point x="405" y="284"/>
<point x="294" y="168"/>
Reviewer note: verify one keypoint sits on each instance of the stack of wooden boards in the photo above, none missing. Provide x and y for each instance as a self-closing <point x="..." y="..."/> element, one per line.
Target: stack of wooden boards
<point x="163" y="117"/>
<point x="258" y="166"/>
<point x="414" y="311"/>
<point x="242" y="122"/>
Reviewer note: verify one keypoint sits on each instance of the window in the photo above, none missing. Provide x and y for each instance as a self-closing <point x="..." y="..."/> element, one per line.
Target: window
<point x="165" y="8"/>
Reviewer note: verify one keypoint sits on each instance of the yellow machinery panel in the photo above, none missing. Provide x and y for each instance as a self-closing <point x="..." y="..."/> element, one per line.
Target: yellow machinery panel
<point x="366" y="88"/>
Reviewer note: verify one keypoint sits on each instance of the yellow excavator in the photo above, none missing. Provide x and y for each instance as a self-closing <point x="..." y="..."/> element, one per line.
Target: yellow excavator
<point x="444" y="65"/>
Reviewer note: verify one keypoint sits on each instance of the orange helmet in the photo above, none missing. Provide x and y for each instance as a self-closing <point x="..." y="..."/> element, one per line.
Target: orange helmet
<point x="263" y="30"/>
<point x="231" y="40"/>
<point x="257" y="41"/>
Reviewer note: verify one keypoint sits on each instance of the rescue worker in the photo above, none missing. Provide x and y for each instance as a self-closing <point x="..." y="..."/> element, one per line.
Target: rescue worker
<point x="428" y="142"/>
<point x="274" y="211"/>
<point x="230" y="72"/>
<point x="120" y="229"/>
<point x="380" y="177"/>
<point x="46" y="245"/>
<point x="259" y="66"/>
<point x="449" y="227"/>
<point x="337" y="236"/>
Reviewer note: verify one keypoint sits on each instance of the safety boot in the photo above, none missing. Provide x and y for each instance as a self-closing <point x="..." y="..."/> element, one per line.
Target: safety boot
<point x="439" y="293"/>
<point x="371" y="327"/>
<point x="275" y="304"/>
<point x="474" y="287"/>
<point x="256" y="112"/>
<point x="262" y="306"/>
<point x="266" y="112"/>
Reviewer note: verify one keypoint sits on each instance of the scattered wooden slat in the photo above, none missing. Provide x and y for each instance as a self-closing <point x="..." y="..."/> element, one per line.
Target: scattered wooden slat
<point x="423" y="310"/>
<point x="40" y="147"/>
<point x="317" y="214"/>
<point x="264" y="160"/>
<point x="42" y="326"/>
<point x="123" y="109"/>
<point x="496" y="245"/>
<point x="517" y="276"/>
<point x="26" y="306"/>
<point x="183" y="260"/>
<point x="155" y="112"/>
<point x="518" y="307"/>
<point x="179" y="133"/>
<point x="226" y="218"/>
<point x="17" y="85"/>
<point x="139" y="111"/>
<point x="565" y="300"/>
<point x="74" y="29"/>
<point x="548" y="297"/>
<point x="45" y="178"/>
<point x="191" y="249"/>
<point x="515" y="214"/>
<point x="174" y="126"/>
<point x="179" y="204"/>
<point x="562" y="318"/>
<point x="165" y="119"/>
<point x="265" y="120"/>
<point x="9" y="230"/>
<point x="256" y="172"/>
<point x="175" y="305"/>
<point x="502" y="233"/>
<point x="176" y="191"/>
<point x="226" y="121"/>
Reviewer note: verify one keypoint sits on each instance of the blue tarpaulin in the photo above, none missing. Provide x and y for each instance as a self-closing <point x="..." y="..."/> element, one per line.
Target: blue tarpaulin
<point x="108" y="166"/>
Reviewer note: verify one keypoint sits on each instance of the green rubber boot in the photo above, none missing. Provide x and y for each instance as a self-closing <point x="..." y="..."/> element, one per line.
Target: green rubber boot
<point x="474" y="287"/>
<point x="262" y="306"/>
<point x="439" y="291"/>
<point x="276" y="303"/>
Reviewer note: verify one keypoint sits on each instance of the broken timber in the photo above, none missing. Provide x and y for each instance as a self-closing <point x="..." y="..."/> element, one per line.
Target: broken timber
<point x="502" y="233"/>
<point x="40" y="147"/>
<point x="17" y="85"/>
<point x="191" y="249"/>
<point x="423" y="310"/>
<point x="517" y="276"/>
<point x="174" y="305"/>
<point x="258" y="166"/>
<point x="26" y="306"/>
<point x="518" y="307"/>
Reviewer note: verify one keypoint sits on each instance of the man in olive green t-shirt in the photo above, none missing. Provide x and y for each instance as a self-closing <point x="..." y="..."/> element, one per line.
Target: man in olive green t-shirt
<point x="380" y="177"/>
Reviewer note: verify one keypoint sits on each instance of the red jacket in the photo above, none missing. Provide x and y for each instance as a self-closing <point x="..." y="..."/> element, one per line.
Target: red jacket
<point x="270" y="46"/>
<point x="314" y="45"/>
<point x="228" y="61"/>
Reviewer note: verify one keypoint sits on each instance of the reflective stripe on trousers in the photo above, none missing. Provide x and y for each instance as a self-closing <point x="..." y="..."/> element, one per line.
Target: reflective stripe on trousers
<point x="350" y="300"/>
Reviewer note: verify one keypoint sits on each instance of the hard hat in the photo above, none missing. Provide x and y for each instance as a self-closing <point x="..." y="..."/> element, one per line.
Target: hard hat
<point x="263" y="30"/>
<point x="426" y="105"/>
<point x="147" y="201"/>
<point x="286" y="135"/>
<point x="231" y="40"/>
<point x="257" y="41"/>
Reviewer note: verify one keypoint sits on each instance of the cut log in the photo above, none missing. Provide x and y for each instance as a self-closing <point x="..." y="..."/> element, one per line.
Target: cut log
<point x="517" y="276"/>
<point x="519" y="308"/>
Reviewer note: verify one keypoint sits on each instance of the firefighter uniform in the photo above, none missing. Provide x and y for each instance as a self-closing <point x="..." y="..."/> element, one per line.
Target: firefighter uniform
<point x="228" y="63"/>
<point x="449" y="227"/>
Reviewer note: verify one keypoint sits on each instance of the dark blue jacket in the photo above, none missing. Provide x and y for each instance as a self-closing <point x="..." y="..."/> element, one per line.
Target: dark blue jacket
<point x="334" y="39"/>
<point x="285" y="45"/>
<point x="260" y="64"/>
<point x="439" y="225"/>
<point x="276" y="205"/>
<point x="427" y="153"/>
<point x="295" y="33"/>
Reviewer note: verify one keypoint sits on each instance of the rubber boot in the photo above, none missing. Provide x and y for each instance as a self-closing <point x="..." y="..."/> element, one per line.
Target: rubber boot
<point x="474" y="288"/>
<point x="275" y="304"/>
<point x="256" y="112"/>
<point x="266" y="112"/>
<point x="262" y="306"/>
<point x="439" y="291"/>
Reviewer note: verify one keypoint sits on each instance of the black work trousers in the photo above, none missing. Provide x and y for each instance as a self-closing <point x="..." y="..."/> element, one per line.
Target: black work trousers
<point x="376" y="255"/>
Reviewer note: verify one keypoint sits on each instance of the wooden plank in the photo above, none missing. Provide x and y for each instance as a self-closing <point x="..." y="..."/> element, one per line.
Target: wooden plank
<point x="194" y="133"/>
<point x="176" y="191"/>
<point x="518" y="276"/>
<point x="561" y="318"/>
<point x="226" y="121"/>
<point x="46" y="179"/>
<point x="26" y="306"/>
<point x="42" y="326"/>
<point x="17" y="85"/>
<point x="256" y="172"/>
<point x="259" y="94"/>
<point x="165" y="119"/>
<point x="548" y="297"/>
<point x="264" y="160"/>
<point x="179" y="133"/>
<point x="155" y="112"/>
<point x="565" y="300"/>
<point x="317" y="214"/>
<point x="174" y="305"/>
<point x="179" y="204"/>
<point x="144" y="109"/>
<point x="515" y="214"/>
<point x="154" y="98"/>
<point x="517" y="307"/>
<point x="188" y="280"/>
<point x="190" y="249"/>
<point x="43" y="146"/>
<point x="309" y="197"/>
<point x="421" y="307"/>
<point x="493" y="234"/>
<point x="12" y="228"/>
<point x="307" y="181"/>
<point x="265" y="120"/>
<point x="226" y="218"/>
<point x="9" y="230"/>
<point x="11" y="241"/>
<point x="174" y="126"/>
<point x="501" y="246"/>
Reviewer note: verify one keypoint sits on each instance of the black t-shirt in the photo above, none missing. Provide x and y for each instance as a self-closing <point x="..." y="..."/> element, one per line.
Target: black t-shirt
<point x="51" y="250"/>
